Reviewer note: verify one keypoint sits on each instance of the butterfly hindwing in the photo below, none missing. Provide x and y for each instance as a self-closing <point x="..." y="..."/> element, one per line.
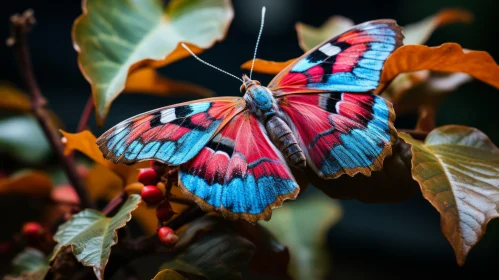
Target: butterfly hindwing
<point x="239" y="173"/>
<point x="341" y="133"/>
<point x="350" y="62"/>
<point x="172" y="134"/>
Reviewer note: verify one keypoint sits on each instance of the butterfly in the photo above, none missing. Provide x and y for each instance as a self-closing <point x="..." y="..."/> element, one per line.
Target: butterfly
<point x="235" y="154"/>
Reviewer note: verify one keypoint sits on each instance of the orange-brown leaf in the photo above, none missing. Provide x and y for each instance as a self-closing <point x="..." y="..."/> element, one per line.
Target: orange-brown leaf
<point x="266" y="66"/>
<point x="84" y="142"/>
<point x="13" y="99"/>
<point x="31" y="183"/>
<point x="448" y="57"/>
<point x="426" y="119"/>
<point x="147" y="80"/>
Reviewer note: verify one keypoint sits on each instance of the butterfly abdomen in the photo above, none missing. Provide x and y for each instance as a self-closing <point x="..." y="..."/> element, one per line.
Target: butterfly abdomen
<point x="282" y="136"/>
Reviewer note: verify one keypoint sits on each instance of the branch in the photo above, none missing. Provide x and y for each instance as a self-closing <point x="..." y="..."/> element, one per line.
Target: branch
<point x="85" y="115"/>
<point x="21" y="25"/>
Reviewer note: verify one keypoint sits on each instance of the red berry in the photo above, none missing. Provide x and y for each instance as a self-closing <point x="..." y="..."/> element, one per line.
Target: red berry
<point x="164" y="211"/>
<point x="152" y="195"/>
<point x="167" y="236"/>
<point x="148" y="176"/>
<point x="32" y="231"/>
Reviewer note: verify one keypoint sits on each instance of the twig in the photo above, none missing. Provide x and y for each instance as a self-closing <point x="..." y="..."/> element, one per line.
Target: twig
<point x="181" y="200"/>
<point x="85" y="115"/>
<point x="185" y="217"/>
<point x="21" y="25"/>
<point x="114" y="204"/>
<point x="418" y="135"/>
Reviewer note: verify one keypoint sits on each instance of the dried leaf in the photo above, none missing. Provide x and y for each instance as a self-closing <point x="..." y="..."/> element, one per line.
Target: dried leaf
<point x="169" y="274"/>
<point x="27" y="182"/>
<point x="310" y="36"/>
<point x="448" y="57"/>
<point x="419" y="32"/>
<point x="91" y="235"/>
<point x="302" y="225"/>
<point x="13" y="99"/>
<point x="115" y="38"/>
<point x="147" y="80"/>
<point x="457" y="168"/>
<point x="85" y="143"/>
<point x="266" y="66"/>
<point x="426" y="119"/>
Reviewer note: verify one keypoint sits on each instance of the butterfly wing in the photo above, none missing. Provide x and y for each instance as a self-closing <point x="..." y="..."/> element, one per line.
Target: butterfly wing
<point x="239" y="173"/>
<point x="349" y="62"/>
<point x="341" y="133"/>
<point x="172" y="134"/>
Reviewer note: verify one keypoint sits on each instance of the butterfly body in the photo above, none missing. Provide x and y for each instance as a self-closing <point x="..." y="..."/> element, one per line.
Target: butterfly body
<point x="234" y="153"/>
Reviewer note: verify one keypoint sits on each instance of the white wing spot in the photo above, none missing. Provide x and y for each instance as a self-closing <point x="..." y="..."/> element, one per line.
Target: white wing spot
<point x="168" y="115"/>
<point x="330" y="50"/>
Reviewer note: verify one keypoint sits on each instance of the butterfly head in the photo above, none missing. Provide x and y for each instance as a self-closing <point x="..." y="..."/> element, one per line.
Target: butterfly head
<point x="257" y="95"/>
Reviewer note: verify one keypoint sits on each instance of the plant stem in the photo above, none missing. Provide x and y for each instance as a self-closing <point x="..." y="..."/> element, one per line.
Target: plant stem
<point x="85" y="115"/>
<point x="114" y="204"/>
<point x="21" y="25"/>
<point x="185" y="217"/>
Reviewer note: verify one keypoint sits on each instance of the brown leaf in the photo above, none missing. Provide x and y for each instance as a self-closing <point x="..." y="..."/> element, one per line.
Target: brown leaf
<point x="13" y="99"/>
<point x="448" y="57"/>
<point x="426" y="119"/>
<point x="419" y="32"/>
<point x="85" y="143"/>
<point x="266" y="66"/>
<point x="28" y="182"/>
<point x="457" y="168"/>
<point x="147" y="80"/>
<point x="390" y="185"/>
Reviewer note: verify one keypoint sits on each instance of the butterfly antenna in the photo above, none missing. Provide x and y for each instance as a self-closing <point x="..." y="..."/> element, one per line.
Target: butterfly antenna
<point x="258" y="40"/>
<point x="196" y="57"/>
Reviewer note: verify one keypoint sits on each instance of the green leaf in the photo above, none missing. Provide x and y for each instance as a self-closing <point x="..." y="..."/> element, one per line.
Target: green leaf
<point x="30" y="264"/>
<point x="302" y="225"/>
<point x="457" y="168"/>
<point x="118" y="36"/>
<point x="169" y="274"/>
<point x="211" y="247"/>
<point x="15" y="141"/>
<point x="91" y="235"/>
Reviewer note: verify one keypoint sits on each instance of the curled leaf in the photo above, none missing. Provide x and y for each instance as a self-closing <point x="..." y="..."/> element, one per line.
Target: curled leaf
<point x="310" y="36"/>
<point x="27" y="182"/>
<point x="419" y="32"/>
<point x="448" y="57"/>
<point x="91" y="235"/>
<point x="147" y="80"/>
<point x="266" y="66"/>
<point x="119" y="36"/>
<point x="427" y="118"/>
<point x="457" y="168"/>
<point x="169" y="274"/>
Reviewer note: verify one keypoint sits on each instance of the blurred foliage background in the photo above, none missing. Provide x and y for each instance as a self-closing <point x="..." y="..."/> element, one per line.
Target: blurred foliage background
<point x="371" y="241"/>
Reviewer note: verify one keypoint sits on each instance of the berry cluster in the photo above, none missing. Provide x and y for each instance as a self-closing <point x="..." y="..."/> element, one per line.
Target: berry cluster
<point x="155" y="194"/>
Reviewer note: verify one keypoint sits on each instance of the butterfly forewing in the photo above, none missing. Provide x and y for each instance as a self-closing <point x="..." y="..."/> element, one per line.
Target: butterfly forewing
<point x="172" y="134"/>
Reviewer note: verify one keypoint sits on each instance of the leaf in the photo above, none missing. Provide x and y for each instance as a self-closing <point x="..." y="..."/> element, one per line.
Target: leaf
<point x="457" y="168"/>
<point x="265" y="66"/>
<point x="85" y="143"/>
<point x="302" y="225"/>
<point x="419" y="32"/>
<point x="210" y="246"/>
<point x="115" y="38"/>
<point x="410" y="91"/>
<point x="29" y="264"/>
<point x="427" y="118"/>
<point x="448" y="57"/>
<point x="91" y="235"/>
<point x="13" y="99"/>
<point x="169" y="274"/>
<point x="147" y="80"/>
<point x="15" y="140"/>
<point x="309" y="36"/>
<point x="27" y="182"/>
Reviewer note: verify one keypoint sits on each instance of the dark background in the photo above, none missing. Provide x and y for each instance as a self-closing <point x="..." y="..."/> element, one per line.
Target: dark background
<point x="372" y="241"/>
